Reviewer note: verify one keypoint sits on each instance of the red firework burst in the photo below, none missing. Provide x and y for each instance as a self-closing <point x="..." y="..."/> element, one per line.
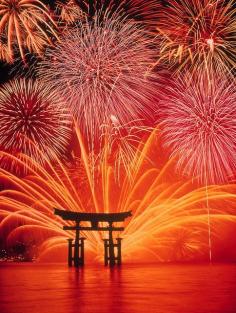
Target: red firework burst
<point x="32" y="120"/>
<point x="199" y="126"/>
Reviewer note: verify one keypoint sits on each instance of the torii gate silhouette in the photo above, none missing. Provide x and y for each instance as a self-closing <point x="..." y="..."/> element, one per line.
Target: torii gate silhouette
<point x="111" y="257"/>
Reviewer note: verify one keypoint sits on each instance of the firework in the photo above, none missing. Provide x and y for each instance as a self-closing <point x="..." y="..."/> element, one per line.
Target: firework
<point x="4" y="53"/>
<point x="198" y="33"/>
<point x="199" y="126"/>
<point x="162" y="204"/>
<point x="102" y="69"/>
<point x="123" y="143"/>
<point x="70" y="12"/>
<point x="32" y="120"/>
<point x="25" y="25"/>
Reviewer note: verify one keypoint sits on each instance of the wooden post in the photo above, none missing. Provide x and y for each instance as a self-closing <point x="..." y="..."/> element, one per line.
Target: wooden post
<point x="105" y="251"/>
<point x="76" y="248"/>
<point x="118" y="250"/>
<point x="82" y="250"/>
<point x="70" y="258"/>
<point x="112" y="261"/>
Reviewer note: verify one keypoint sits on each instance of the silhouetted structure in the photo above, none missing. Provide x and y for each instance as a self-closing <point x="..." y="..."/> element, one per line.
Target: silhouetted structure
<point x="112" y="250"/>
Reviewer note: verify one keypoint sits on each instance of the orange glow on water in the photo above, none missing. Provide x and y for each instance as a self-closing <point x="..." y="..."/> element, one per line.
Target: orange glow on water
<point x="162" y="288"/>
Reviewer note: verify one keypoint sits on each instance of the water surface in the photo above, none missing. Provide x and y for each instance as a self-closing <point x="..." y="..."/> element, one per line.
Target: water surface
<point x="55" y="288"/>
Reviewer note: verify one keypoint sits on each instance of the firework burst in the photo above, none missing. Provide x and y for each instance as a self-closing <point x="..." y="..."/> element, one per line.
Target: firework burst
<point x="199" y="126"/>
<point x="25" y="25"/>
<point x="32" y="120"/>
<point x="198" y="33"/>
<point x="102" y="70"/>
<point x="70" y="12"/>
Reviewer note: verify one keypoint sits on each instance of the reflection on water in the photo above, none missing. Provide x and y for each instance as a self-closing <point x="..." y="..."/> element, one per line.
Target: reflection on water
<point x="52" y="288"/>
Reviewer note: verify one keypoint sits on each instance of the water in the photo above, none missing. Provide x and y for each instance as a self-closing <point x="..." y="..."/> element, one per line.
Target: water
<point x="54" y="288"/>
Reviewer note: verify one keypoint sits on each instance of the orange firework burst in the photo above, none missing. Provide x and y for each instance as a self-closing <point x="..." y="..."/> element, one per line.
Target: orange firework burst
<point x="70" y="12"/>
<point x="24" y="25"/>
<point x="198" y="33"/>
<point x="164" y="207"/>
<point x="32" y="120"/>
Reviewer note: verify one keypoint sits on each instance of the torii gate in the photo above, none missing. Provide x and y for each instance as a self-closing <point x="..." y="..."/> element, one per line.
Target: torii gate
<point x="111" y="256"/>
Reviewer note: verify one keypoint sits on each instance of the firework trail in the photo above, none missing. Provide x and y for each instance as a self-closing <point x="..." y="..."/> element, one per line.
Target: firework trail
<point x="198" y="34"/>
<point x="102" y="69"/>
<point x="164" y="207"/>
<point x="121" y="144"/>
<point x="24" y="25"/>
<point x="32" y="120"/>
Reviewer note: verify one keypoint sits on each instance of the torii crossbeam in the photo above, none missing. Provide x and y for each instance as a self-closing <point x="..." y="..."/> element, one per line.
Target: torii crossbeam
<point x="111" y="256"/>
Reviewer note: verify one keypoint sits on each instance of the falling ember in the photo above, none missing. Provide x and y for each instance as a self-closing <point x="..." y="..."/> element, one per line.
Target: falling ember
<point x="25" y="26"/>
<point x="164" y="208"/>
<point x="210" y="42"/>
<point x="32" y="121"/>
<point x="114" y="120"/>
<point x="102" y="69"/>
<point x="199" y="126"/>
